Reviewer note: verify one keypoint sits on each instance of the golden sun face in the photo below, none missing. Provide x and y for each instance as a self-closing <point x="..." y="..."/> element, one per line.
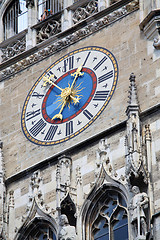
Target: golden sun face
<point x="66" y="94"/>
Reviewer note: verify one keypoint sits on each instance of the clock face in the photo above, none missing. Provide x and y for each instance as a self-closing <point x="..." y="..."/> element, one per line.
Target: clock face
<point x="69" y="96"/>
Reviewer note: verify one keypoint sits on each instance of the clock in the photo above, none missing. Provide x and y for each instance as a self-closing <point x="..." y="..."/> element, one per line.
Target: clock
<point x="69" y="96"/>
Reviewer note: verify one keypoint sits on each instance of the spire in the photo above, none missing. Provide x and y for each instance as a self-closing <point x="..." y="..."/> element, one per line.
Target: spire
<point x="133" y="99"/>
<point x="135" y="160"/>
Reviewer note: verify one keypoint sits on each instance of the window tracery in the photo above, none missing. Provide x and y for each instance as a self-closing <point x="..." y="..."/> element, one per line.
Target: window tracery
<point x="110" y="222"/>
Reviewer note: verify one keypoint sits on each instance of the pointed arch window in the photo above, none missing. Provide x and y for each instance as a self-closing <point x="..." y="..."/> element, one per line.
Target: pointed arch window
<point x="110" y="222"/>
<point x="38" y="229"/>
<point x="42" y="233"/>
<point x="15" y="18"/>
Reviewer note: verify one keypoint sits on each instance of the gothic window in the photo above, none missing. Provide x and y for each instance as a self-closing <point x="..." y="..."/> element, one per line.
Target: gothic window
<point x="42" y="233"/>
<point x="110" y="222"/>
<point x="49" y="7"/>
<point x="15" y="18"/>
<point x="39" y="229"/>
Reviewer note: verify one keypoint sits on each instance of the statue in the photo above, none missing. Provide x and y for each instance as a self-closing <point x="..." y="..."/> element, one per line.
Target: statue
<point x="138" y="218"/>
<point x="66" y="232"/>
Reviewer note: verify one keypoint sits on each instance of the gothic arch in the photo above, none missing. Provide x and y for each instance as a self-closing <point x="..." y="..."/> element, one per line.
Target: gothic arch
<point x="104" y="190"/>
<point x="37" y="222"/>
<point x="69" y="209"/>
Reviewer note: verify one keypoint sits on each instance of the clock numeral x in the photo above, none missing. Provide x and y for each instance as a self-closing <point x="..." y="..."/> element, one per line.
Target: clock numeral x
<point x="101" y="95"/>
<point x="37" y="128"/>
<point x="69" y="128"/>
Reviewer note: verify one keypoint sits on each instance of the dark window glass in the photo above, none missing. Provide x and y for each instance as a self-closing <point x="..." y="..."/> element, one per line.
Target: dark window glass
<point x="15" y="18"/>
<point x="111" y="222"/>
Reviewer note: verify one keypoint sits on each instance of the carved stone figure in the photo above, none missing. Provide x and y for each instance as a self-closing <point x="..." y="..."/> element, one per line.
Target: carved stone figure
<point x="138" y="218"/>
<point x="66" y="232"/>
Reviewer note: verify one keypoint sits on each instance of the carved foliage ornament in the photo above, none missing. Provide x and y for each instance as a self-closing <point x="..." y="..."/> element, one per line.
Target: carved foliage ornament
<point x="13" y="49"/>
<point x="86" y="11"/>
<point x="49" y="29"/>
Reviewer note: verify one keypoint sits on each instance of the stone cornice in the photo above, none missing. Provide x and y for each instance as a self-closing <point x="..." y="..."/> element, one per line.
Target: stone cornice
<point x="64" y="39"/>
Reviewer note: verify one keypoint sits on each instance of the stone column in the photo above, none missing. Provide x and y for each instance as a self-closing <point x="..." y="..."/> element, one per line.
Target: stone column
<point x="102" y="4"/>
<point x="149" y="165"/>
<point x="1" y="29"/>
<point x="66" y="18"/>
<point x="32" y="19"/>
<point x="11" y="213"/>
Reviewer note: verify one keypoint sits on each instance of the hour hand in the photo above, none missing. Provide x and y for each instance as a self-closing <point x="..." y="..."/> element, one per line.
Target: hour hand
<point x="59" y="115"/>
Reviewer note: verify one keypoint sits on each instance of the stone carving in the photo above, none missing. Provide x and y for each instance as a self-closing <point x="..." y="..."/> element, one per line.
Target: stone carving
<point x="156" y="43"/>
<point x="60" y="44"/>
<point x="29" y="3"/>
<point x="135" y="159"/>
<point x="117" y="14"/>
<point x="13" y="49"/>
<point x="66" y="232"/>
<point x="83" y="12"/>
<point x="49" y="29"/>
<point x="2" y="194"/>
<point x="138" y="218"/>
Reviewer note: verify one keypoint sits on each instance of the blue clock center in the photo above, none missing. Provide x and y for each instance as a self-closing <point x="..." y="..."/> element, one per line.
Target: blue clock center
<point x="83" y="89"/>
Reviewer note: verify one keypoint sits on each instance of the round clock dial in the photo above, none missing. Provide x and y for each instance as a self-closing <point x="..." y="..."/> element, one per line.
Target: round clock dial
<point x="69" y="96"/>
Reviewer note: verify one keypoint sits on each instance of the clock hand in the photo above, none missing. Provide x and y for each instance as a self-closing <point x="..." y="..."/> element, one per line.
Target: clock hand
<point x="49" y="81"/>
<point x="59" y="115"/>
<point x="77" y="74"/>
<point x="45" y="79"/>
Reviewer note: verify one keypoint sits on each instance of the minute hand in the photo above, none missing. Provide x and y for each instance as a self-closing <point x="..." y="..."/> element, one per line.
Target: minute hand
<point x="76" y="74"/>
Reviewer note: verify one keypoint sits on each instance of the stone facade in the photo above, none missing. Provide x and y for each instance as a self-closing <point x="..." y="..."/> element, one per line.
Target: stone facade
<point x="117" y="152"/>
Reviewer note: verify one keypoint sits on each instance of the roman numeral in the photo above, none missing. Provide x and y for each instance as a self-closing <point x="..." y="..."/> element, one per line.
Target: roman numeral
<point x="37" y="95"/>
<point x="50" y="73"/>
<point x="86" y="58"/>
<point x="32" y="114"/>
<point x="100" y="63"/>
<point x="101" y="95"/>
<point x="68" y="63"/>
<point x="87" y="114"/>
<point x="37" y="128"/>
<point x="51" y="132"/>
<point x="105" y="76"/>
<point x="69" y="128"/>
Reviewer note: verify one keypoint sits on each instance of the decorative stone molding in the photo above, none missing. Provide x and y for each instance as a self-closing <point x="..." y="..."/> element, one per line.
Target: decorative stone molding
<point x="2" y="195"/>
<point x="135" y="159"/>
<point x="82" y="13"/>
<point x="60" y="43"/>
<point x="49" y="29"/>
<point x="156" y="43"/>
<point x="13" y="49"/>
<point x="35" y="197"/>
<point x="64" y="190"/>
<point x="151" y="26"/>
<point x="103" y="159"/>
